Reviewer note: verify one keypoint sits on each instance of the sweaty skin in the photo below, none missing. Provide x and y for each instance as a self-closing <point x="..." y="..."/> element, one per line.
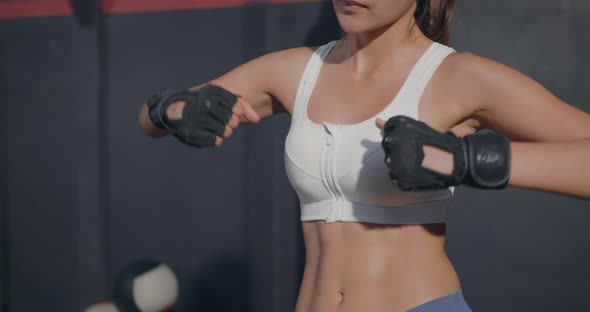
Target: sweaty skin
<point x="354" y="266"/>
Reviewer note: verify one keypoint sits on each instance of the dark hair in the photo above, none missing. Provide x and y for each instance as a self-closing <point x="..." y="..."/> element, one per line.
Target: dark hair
<point x="434" y="18"/>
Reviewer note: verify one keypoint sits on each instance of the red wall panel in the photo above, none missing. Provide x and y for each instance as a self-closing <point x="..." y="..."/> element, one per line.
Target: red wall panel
<point x="33" y="8"/>
<point x="14" y="9"/>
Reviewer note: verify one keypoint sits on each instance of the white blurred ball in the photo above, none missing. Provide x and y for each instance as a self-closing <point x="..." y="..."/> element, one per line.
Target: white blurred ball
<point x="147" y="286"/>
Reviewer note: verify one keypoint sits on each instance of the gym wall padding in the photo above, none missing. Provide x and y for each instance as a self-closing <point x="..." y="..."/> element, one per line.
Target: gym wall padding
<point x="85" y="192"/>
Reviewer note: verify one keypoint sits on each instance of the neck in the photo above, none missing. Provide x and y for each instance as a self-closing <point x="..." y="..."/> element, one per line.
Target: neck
<point x="391" y="43"/>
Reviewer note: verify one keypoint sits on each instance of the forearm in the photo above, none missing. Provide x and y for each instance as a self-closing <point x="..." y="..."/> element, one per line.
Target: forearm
<point x="561" y="167"/>
<point x="146" y="124"/>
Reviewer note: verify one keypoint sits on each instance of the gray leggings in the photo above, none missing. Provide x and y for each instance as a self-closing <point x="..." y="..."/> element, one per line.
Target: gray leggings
<point x="451" y="303"/>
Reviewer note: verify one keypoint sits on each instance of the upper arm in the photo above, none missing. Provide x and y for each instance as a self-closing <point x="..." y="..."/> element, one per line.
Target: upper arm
<point x="511" y="103"/>
<point x="267" y="82"/>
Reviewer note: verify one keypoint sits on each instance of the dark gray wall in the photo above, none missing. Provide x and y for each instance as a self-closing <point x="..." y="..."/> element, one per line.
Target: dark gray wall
<point x="49" y="108"/>
<point x="85" y="192"/>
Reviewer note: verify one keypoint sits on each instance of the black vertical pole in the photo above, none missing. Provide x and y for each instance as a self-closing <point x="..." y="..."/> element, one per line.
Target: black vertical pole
<point x="259" y="211"/>
<point x="104" y="147"/>
<point x="93" y="188"/>
<point x="4" y="229"/>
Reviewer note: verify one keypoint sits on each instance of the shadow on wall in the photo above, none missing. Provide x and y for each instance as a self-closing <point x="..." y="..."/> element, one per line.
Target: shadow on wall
<point x="222" y="284"/>
<point x="325" y="29"/>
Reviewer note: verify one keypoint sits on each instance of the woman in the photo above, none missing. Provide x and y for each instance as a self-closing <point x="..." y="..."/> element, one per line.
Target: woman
<point x="369" y="245"/>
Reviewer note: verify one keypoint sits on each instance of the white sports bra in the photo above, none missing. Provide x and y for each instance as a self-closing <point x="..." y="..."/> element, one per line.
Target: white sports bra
<point x="338" y="171"/>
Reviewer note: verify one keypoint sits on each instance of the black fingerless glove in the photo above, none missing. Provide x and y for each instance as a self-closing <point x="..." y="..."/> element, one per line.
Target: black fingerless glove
<point x="487" y="157"/>
<point x="481" y="160"/>
<point x="205" y="115"/>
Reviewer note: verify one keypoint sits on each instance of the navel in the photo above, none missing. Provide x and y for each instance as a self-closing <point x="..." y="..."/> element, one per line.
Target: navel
<point x="340" y="296"/>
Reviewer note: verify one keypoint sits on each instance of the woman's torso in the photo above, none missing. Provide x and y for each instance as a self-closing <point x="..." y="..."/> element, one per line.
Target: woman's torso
<point x="352" y="266"/>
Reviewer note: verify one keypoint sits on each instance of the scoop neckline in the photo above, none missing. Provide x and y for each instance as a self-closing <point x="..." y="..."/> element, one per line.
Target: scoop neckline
<point x="372" y="118"/>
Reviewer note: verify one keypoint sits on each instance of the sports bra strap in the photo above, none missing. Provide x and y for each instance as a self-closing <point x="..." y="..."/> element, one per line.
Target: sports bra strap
<point x="422" y="74"/>
<point x="309" y="78"/>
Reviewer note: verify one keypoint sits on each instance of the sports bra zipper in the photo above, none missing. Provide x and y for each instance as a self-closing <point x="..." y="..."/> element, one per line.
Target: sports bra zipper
<point x="336" y="209"/>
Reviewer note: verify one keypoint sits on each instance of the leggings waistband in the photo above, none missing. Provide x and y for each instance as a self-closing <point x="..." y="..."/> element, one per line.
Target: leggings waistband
<point x="450" y="303"/>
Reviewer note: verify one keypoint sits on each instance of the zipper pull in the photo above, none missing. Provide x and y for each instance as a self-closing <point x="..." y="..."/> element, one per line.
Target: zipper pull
<point x="329" y="139"/>
<point x="331" y="218"/>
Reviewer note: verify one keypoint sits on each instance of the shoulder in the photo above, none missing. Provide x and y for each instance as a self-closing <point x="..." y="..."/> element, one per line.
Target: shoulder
<point x="473" y="78"/>
<point x="294" y="57"/>
<point x="280" y="69"/>
<point x="274" y="65"/>
<point x="283" y="71"/>
<point x="294" y="54"/>
<point x="462" y="68"/>
<point x="465" y="67"/>
<point x="459" y="88"/>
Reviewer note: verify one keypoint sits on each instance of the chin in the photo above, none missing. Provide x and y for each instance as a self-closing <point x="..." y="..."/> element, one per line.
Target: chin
<point x="359" y="27"/>
<point x="352" y="25"/>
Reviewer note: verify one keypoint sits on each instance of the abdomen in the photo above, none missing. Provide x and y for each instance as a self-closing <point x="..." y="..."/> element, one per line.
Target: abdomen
<point x="363" y="267"/>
